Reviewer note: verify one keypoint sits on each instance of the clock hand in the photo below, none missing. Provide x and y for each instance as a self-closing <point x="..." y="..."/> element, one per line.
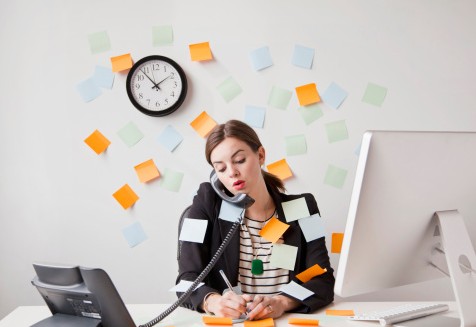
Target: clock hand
<point x="162" y="81"/>
<point x="155" y="85"/>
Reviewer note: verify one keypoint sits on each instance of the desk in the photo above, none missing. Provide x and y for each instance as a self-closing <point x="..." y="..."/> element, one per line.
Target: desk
<point x="25" y="316"/>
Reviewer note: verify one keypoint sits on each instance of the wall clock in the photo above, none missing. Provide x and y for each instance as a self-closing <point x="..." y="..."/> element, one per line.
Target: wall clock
<point x="156" y="85"/>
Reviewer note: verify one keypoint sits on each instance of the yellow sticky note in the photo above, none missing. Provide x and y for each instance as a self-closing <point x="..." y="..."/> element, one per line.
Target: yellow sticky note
<point x="331" y="312"/>
<point x="203" y="124"/>
<point x="303" y="322"/>
<point x="268" y="322"/>
<point x="273" y="230"/>
<point x="307" y="94"/>
<point x="147" y="171"/>
<point x="310" y="272"/>
<point x="97" y="142"/>
<point x="336" y="245"/>
<point x="209" y="320"/>
<point x="125" y="196"/>
<point x="280" y="168"/>
<point x="122" y="62"/>
<point x="200" y="51"/>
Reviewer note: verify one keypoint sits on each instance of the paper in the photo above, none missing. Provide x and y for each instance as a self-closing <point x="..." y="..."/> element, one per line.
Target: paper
<point x="193" y="230"/>
<point x="312" y="227"/>
<point x="162" y="35"/>
<point x="230" y="212"/>
<point x="283" y="256"/>
<point x="254" y="116"/>
<point x="170" y="138"/>
<point x="334" y="95"/>
<point x="200" y="51"/>
<point x="303" y="56"/>
<point x="184" y="285"/>
<point x="295" y="209"/>
<point x="279" y="98"/>
<point x="310" y="273"/>
<point x="307" y="94"/>
<point x="203" y="124"/>
<point x="310" y="113"/>
<point x="171" y="180"/>
<point x="280" y="168"/>
<point x="122" y="62"/>
<point x="303" y="322"/>
<point x="99" y="42"/>
<point x="273" y="230"/>
<point x="336" y="245"/>
<point x="260" y="58"/>
<point x="335" y="176"/>
<point x="98" y="142"/>
<point x="374" y="94"/>
<point x="134" y="234"/>
<point x="147" y="171"/>
<point x="336" y="131"/>
<point x="295" y="145"/>
<point x="229" y="89"/>
<point x="212" y="320"/>
<point x="125" y="196"/>
<point x="268" y="322"/>
<point x="88" y="90"/>
<point x="103" y="77"/>
<point x="130" y="134"/>
<point x="334" y="312"/>
<point x="296" y="290"/>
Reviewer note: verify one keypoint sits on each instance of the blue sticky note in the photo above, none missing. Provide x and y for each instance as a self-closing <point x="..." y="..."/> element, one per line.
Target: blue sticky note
<point x="170" y="138"/>
<point x="303" y="56"/>
<point x="134" y="234"/>
<point x="254" y="116"/>
<point x="312" y="227"/>
<point x="261" y="58"/>
<point x="88" y="90"/>
<point x="334" y="95"/>
<point x="230" y="212"/>
<point x="103" y="77"/>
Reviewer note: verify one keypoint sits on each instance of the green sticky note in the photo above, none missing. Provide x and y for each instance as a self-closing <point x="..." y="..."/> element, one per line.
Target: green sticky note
<point x="335" y="176"/>
<point x="99" y="42"/>
<point x="162" y="35"/>
<point x="295" y="144"/>
<point x="310" y="113"/>
<point x="283" y="256"/>
<point x="130" y="134"/>
<point x="295" y="209"/>
<point x="229" y="89"/>
<point x="374" y="94"/>
<point x="171" y="180"/>
<point x="279" y="98"/>
<point x="337" y="131"/>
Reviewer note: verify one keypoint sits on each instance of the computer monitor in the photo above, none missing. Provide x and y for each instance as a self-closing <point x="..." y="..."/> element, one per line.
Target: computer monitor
<point x="412" y="205"/>
<point x="79" y="297"/>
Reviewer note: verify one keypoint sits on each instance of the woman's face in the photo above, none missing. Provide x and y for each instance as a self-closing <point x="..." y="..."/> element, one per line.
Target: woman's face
<point x="237" y="166"/>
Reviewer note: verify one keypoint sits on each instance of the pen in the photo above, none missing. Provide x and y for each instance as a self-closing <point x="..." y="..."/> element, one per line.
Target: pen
<point x="226" y="281"/>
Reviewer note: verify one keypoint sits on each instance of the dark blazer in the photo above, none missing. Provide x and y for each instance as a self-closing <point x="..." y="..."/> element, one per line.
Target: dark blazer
<point x="195" y="256"/>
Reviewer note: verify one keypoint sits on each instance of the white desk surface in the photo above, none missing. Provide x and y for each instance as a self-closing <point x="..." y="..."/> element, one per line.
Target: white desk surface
<point x="25" y="316"/>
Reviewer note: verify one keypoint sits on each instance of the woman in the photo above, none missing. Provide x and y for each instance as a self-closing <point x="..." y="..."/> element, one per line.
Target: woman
<point x="235" y="152"/>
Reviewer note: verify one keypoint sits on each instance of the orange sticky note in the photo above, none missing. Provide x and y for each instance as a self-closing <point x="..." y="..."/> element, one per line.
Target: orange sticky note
<point x="210" y="320"/>
<point x="336" y="245"/>
<point x="268" y="322"/>
<point x="200" y="51"/>
<point x="303" y="322"/>
<point x="203" y="124"/>
<point x="97" y="142"/>
<point x="331" y="312"/>
<point x="307" y="94"/>
<point x="125" y="196"/>
<point x="147" y="171"/>
<point x="273" y="230"/>
<point x="280" y="168"/>
<point x="310" y="272"/>
<point x="121" y="62"/>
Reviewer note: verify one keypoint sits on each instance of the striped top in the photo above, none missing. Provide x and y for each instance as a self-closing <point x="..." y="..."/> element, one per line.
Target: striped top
<point x="253" y="245"/>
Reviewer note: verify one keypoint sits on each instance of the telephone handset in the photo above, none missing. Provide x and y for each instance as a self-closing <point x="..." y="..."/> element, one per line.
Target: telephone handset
<point x="240" y="200"/>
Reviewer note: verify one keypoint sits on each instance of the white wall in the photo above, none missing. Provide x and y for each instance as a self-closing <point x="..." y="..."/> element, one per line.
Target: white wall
<point x="56" y="194"/>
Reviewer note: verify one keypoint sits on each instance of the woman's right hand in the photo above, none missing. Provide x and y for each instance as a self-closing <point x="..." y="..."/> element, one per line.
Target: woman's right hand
<point x="229" y="305"/>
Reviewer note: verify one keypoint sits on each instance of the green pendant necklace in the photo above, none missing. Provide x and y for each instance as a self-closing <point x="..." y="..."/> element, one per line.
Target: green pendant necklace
<point x="257" y="266"/>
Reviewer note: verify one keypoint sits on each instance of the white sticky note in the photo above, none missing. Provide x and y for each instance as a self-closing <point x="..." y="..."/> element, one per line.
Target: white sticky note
<point x="230" y="212"/>
<point x="193" y="230"/>
<point x="312" y="227"/>
<point x="296" y="290"/>
<point x="283" y="256"/>
<point x="295" y="209"/>
<point x="183" y="286"/>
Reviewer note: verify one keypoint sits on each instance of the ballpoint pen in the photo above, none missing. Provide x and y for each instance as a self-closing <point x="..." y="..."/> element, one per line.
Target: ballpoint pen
<point x="227" y="281"/>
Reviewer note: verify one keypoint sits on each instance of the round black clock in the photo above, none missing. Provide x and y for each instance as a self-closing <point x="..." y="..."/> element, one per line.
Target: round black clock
<point x="156" y="85"/>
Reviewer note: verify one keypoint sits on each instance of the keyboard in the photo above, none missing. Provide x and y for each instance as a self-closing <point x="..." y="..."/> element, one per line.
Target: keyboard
<point x="401" y="313"/>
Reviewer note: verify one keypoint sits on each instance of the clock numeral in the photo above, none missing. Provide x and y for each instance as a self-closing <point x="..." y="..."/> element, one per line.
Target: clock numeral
<point x="148" y="102"/>
<point x="172" y="75"/>
<point x="146" y="70"/>
<point x="140" y="78"/>
<point x="155" y="67"/>
<point x="166" y="101"/>
<point x="165" y="69"/>
<point x="157" y="104"/>
<point x="172" y="94"/>
<point x="137" y="85"/>
<point x="141" y="96"/>
<point x="175" y="84"/>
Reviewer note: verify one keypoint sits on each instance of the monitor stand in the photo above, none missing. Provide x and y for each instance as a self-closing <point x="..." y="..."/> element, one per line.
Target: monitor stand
<point x="62" y="320"/>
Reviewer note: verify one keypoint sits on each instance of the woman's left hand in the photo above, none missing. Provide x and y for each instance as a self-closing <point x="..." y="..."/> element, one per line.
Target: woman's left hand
<point x="268" y="307"/>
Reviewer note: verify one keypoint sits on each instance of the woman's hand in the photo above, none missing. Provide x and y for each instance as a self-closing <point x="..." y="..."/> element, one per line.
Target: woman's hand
<point x="270" y="307"/>
<point x="229" y="305"/>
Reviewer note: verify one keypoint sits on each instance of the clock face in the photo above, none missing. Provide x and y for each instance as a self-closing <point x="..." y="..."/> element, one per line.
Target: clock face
<point x="156" y="85"/>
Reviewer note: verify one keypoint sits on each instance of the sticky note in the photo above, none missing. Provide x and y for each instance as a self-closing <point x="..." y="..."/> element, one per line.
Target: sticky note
<point x="303" y="322"/>
<point x="302" y="56"/>
<point x="203" y="124"/>
<point x="310" y="273"/>
<point x="184" y="285"/>
<point x="162" y="35"/>
<point x="103" y="77"/>
<point x="273" y="230"/>
<point x="122" y="62"/>
<point x="335" y="176"/>
<point x="268" y="322"/>
<point x="334" y="312"/>
<point x="337" y="131"/>
<point x="280" y="168"/>
<point x="172" y="180"/>
<point x="134" y="234"/>
<point x="230" y="212"/>
<point x="147" y="171"/>
<point x="279" y="98"/>
<point x="334" y="95"/>
<point x="295" y="145"/>
<point x="126" y="196"/>
<point x="254" y="116"/>
<point x="336" y="244"/>
<point x="130" y="134"/>
<point x="88" y="90"/>
<point x="312" y="227"/>
<point x="296" y="290"/>
<point x="283" y="256"/>
<point x="295" y="209"/>
<point x="170" y="138"/>
<point x="260" y="58"/>
<point x="229" y="89"/>
<point x="97" y="141"/>
<point x="193" y="230"/>
<point x="307" y="94"/>
<point x="211" y="320"/>
<point x="200" y="51"/>
<point x="310" y="113"/>
<point x="99" y="42"/>
<point x="374" y="94"/>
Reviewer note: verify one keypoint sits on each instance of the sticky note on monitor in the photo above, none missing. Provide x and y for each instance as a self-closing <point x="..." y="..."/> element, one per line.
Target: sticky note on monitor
<point x="99" y="42"/>
<point x="125" y="196"/>
<point x="279" y="98"/>
<point x="193" y="230"/>
<point x="280" y="168"/>
<point x="147" y="171"/>
<point x="162" y="35"/>
<point x="310" y="273"/>
<point x="273" y="230"/>
<point x="200" y="51"/>
<point x="283" y="256"/>
<point x="336" y="245"/>
<point x="307" y="94"/>
<point x="296" y="290"/>
<point x="295" y="209"/>
<point x="97" y="141"/>
<point x="229" y="89"/>
<point x="134" y="234"/>
<point x="122" y="62"/>
<point x="260" y="58"/>
<point x="312" y="227"/>
<point x="203" y="124"/>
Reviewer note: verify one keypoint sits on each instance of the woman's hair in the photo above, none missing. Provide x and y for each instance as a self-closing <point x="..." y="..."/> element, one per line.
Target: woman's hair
<point x="243" y="132"/>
